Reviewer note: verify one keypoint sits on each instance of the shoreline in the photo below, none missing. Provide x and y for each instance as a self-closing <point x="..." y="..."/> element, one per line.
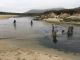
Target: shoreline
<point x="9" y="53"/>
<point x="71" y="23"/>
<point x="2" y="17"/>
<point x="27" y="54"/>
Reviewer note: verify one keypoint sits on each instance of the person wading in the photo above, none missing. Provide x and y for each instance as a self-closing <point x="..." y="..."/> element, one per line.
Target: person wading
<point x="31" y="22"/>
<point x="54" y="35"/>
<point x="14" y="21"/>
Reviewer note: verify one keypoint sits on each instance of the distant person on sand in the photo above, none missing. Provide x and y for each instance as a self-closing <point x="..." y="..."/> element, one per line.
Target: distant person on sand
<point x="14" y="21"/>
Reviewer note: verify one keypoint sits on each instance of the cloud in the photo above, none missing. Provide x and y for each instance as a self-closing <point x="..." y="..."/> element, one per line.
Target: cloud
<point x="23" y="5"/>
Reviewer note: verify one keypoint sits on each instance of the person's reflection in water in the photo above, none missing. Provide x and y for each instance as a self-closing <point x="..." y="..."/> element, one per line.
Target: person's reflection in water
<point x="14" y="23"/>
<point x="31" y="23"/>
<point x="52" y="28"/>
<point x="63" y="31"/>
<point x="70" y="31"/>
<point x="54" y="35"/>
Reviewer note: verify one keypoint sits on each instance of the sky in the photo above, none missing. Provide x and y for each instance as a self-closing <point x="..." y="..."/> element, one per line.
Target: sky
<point x="25" y="5"/>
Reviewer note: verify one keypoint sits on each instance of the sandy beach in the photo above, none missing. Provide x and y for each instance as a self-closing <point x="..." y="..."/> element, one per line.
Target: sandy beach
<point x="26" y="54"/>
<point x="6" y="16"/>
<point x="10" y="52"/>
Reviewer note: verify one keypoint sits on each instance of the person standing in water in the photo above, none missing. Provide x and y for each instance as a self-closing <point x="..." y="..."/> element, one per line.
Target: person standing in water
<point x="14" y="21"/>
<point x="54" y="35"/>
<point x="14" y="24"/>
<point x="31" y="22"/>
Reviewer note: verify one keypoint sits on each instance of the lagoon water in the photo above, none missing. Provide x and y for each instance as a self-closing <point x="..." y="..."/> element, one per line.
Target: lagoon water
<point x="39" y="35"/>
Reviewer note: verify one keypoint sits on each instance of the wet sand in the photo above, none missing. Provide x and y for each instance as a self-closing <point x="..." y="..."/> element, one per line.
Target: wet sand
<point x="10" y="52"/>
<point x="6" y="16"/>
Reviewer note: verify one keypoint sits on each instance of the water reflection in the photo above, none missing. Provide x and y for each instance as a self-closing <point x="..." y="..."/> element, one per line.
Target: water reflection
<point x="70" y="31"/>
<point x="14" y="24"/>
<point x="54" y="35"/>
<point x="63" y="31"/>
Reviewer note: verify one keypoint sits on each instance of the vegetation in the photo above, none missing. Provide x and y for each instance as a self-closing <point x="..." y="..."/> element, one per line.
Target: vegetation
<point x="9" y="13"/>
<point x="68" y="11"/>
<point x="58" y="12"/>
<point x="71" y="20"/>
<point x="20" y="14"/>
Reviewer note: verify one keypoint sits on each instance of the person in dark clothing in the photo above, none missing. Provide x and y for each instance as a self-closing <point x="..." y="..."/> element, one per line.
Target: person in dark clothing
<point x="14" y="21"/>
<point x="31" y="22"/>
<point x="14" y="24"/>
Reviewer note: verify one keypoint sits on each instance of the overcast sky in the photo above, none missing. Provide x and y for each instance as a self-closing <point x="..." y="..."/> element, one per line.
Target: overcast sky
<point x="25" y="5"/>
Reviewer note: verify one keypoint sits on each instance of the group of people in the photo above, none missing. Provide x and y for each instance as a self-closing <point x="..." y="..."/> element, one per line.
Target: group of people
<point x="54" y="32"/>
<point x="30" y="22"/>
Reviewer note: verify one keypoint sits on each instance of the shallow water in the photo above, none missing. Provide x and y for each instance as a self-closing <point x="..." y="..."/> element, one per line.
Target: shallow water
<point x="38" y="35"/>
